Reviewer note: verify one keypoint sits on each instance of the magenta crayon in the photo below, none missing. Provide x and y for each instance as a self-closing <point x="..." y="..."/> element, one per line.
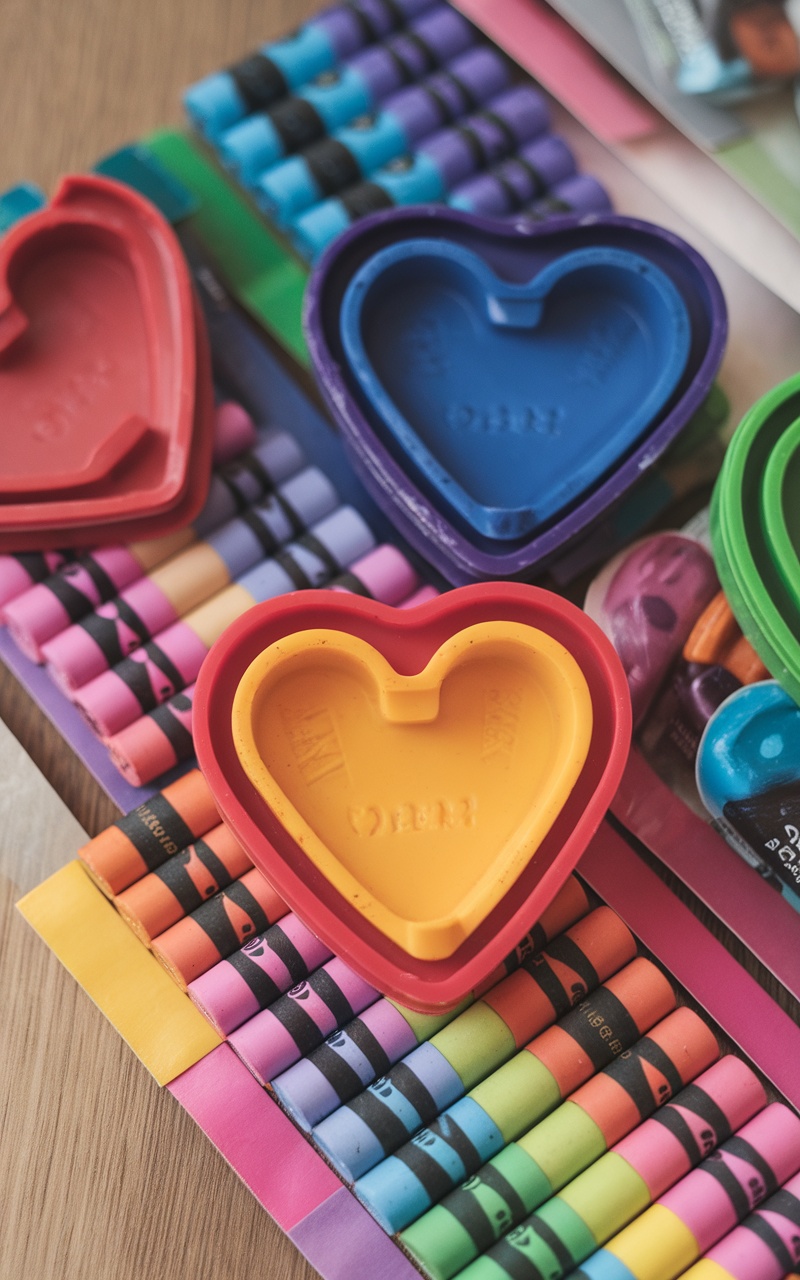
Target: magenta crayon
<point x="183" y="883"/>
<point x="764" y="1247"/>
<point x="706" y="1204"/>
<point x="23" y="569"/>
<point x="411" y="1094"/>
<point x="143" y="839"/>
<point x="352" y="1058"/>
<point x="173" y="658"/>
<point x="113" y="630"/>
<point x="533" y="171"/>
<point x="527" y="1173"/>
<point x="63" y="599"/>
<point x="300" y="1020"/>
<point x="218" y="927"/>
<point x="253" y="978"/>
<point x="622" y="1183"/>
<point x="162" y="738"/>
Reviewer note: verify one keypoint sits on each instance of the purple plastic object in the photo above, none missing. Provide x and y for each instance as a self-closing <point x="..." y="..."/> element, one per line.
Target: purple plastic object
<point x="516" y="250"/>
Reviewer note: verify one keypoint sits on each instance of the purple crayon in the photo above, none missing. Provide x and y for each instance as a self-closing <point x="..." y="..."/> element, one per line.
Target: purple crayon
<point x="299" y="1021"/>
<point x="441" y="163"/>
<point x="353" y="89"/>
<point x="371" y="141"/>
<point x="579" y="194"/>
<point x="116" y="628"/>
<point x="163" y="738"/>
<point x="253" y="978"/>
<point x="218" y="101"/>
<point x="173" y="658"/>
<point x="52" y="606"/>
<point x="534" y="170"/>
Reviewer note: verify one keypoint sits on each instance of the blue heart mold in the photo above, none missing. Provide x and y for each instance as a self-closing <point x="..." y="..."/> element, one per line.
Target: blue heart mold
<point x="512" y="400"/>
<point x="516" y="252"/>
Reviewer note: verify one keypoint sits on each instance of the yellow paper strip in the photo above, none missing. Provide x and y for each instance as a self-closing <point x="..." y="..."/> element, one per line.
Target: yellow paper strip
<point x="157" y="1020"/>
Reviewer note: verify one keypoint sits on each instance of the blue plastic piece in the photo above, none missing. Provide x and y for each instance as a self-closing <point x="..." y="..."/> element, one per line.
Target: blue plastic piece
<point x="512" y="400"/>
<point x="18" y="202"/>
<point x="750" y="745"/>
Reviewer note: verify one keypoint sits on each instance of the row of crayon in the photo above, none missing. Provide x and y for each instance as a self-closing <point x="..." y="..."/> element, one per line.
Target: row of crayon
<point x="597" y="1133"/>
<point x="370" y="134"/>
<point x="123" y="631"/>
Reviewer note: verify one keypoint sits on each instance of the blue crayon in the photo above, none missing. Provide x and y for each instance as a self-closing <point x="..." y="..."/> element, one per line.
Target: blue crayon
<point x="253" y="84"/>
<point x="339" y="95"/>
<point x="530" y="174"/>
<point x="442" y="162"/>
<point x="369" y="142"/>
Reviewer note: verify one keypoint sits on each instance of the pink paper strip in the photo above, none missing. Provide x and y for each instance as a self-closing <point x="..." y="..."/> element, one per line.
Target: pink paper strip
<point x="259" y="1142"/>
<point x="694" y="957"/>
<point x="552" y="51"/>
<point x="342" y="1241"/>
<point x="753" y="911"/>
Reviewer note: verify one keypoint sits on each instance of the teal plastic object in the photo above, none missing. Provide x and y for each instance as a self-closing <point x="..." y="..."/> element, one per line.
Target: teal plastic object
<point x="18" y="202"/>
<point x="513" y="400"/>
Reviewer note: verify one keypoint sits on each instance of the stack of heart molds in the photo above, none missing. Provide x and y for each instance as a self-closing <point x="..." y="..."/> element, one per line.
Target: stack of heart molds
<point x="755" y="530"/>
<point x="502" y="387"/>
<point x="416" y="784"/>
<point x="106" y="398"/>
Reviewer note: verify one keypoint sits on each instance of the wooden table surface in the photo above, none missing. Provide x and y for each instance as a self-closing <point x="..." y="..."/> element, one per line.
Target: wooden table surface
<point x="103" y="1175"/>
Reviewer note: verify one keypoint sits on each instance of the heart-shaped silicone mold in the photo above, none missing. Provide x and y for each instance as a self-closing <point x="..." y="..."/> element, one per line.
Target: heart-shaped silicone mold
<point x="420" y="797"/>
<point x="100" y="380"/>
<point x="516" y="253"/>
<point x="407" y="640"/>
<point x="512" y="400"/>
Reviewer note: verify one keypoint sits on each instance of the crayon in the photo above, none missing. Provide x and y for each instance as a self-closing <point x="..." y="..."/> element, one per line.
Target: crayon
<point x="426" y="592"/>
<point x="300" y="1020"/>
<point x="716" y="639"/>
<point x="621" y="1184"/>
<point x="23" y="569"/>
<point x="705" y="1205"/>
<point x="182" y="883"/>
<point x="218" y="927"/>
<point x="527" y="176"/>
<point x="352" y="1058"/>
<point x="162" y="738"/>
<point x="581" y="193"/>
<point x="256" y="82"/>
<point x="116" y="628"/>
<point x="545" y="987"/>
<point x="253" y="977"/>
<point x="155" y="830"/>
<point x="441" y="162"/>
<point x="172" y="660"/>
<point x="527" y="1173"/>
<point x="336" y="97"/>
<point x="764" y="1247"/>
<point x="515" y="1097"/>
<point x="371" y="141"/>
<point x="53" y="605"/>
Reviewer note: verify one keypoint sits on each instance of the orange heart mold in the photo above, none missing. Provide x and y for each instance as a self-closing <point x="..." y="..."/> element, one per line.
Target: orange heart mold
<point x="421" y="797"/>
<point x="408" y="640"/>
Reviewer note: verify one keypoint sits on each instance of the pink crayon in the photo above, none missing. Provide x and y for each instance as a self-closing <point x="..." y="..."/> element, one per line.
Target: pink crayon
<point x="299" y="1021"/>
<point x="156" y="600"/>
<point x="764" y="1247"/>
<point x="172" y="660"/>
<point x="163" y="738"/>
<point x="23" y="570"/>
<point x="253" y="978"/>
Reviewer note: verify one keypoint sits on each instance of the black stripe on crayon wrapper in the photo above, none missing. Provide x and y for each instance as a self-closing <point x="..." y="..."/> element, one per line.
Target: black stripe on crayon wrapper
<point x="297" y="121"/>
<point x="215" y="922"/>
<point x="407" y="67"/>
<point x="468" y="100"/>
<point x="565" y="951"/>
<point x="35" y="564"/>
<point x="106" y="633"/>
<point x="785" y="1205"/>
<point x="370" y="1046"/>
<point x="172" y="727"/>
<point x="342" y="1078"/>
<point x="302" y="1028"/>
<point x="517" y="1266"/>
<point x="350" y="582"/>
<point x="468" y="1211"/>
<point x="73" y="601"/>
<point x="539" y="184"/>
<point x="761" y="1186"/>
<point x="600" y="1026"/>
<point x="379" y="1118"/>
<point x="763" y="822"/>
<point x="332" y="166"/>
<point x="364" y="198"/>
<point x="434" y="1178"/>
<point x="700" y="1104"/>
<point x="529" y="945"/>
<point x="332" y="995"/>
<point x="259" y="81"/>
<point x="174" y="875"/>
<point x="628" y="1072"/>
<point x="368" y="28"/>
<point x="156" y="830"/>
<point x="502" y="126"/>
<point x="136" y="675"/>
<point x="250" y="465"/>
<point x="261" y="985"/>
